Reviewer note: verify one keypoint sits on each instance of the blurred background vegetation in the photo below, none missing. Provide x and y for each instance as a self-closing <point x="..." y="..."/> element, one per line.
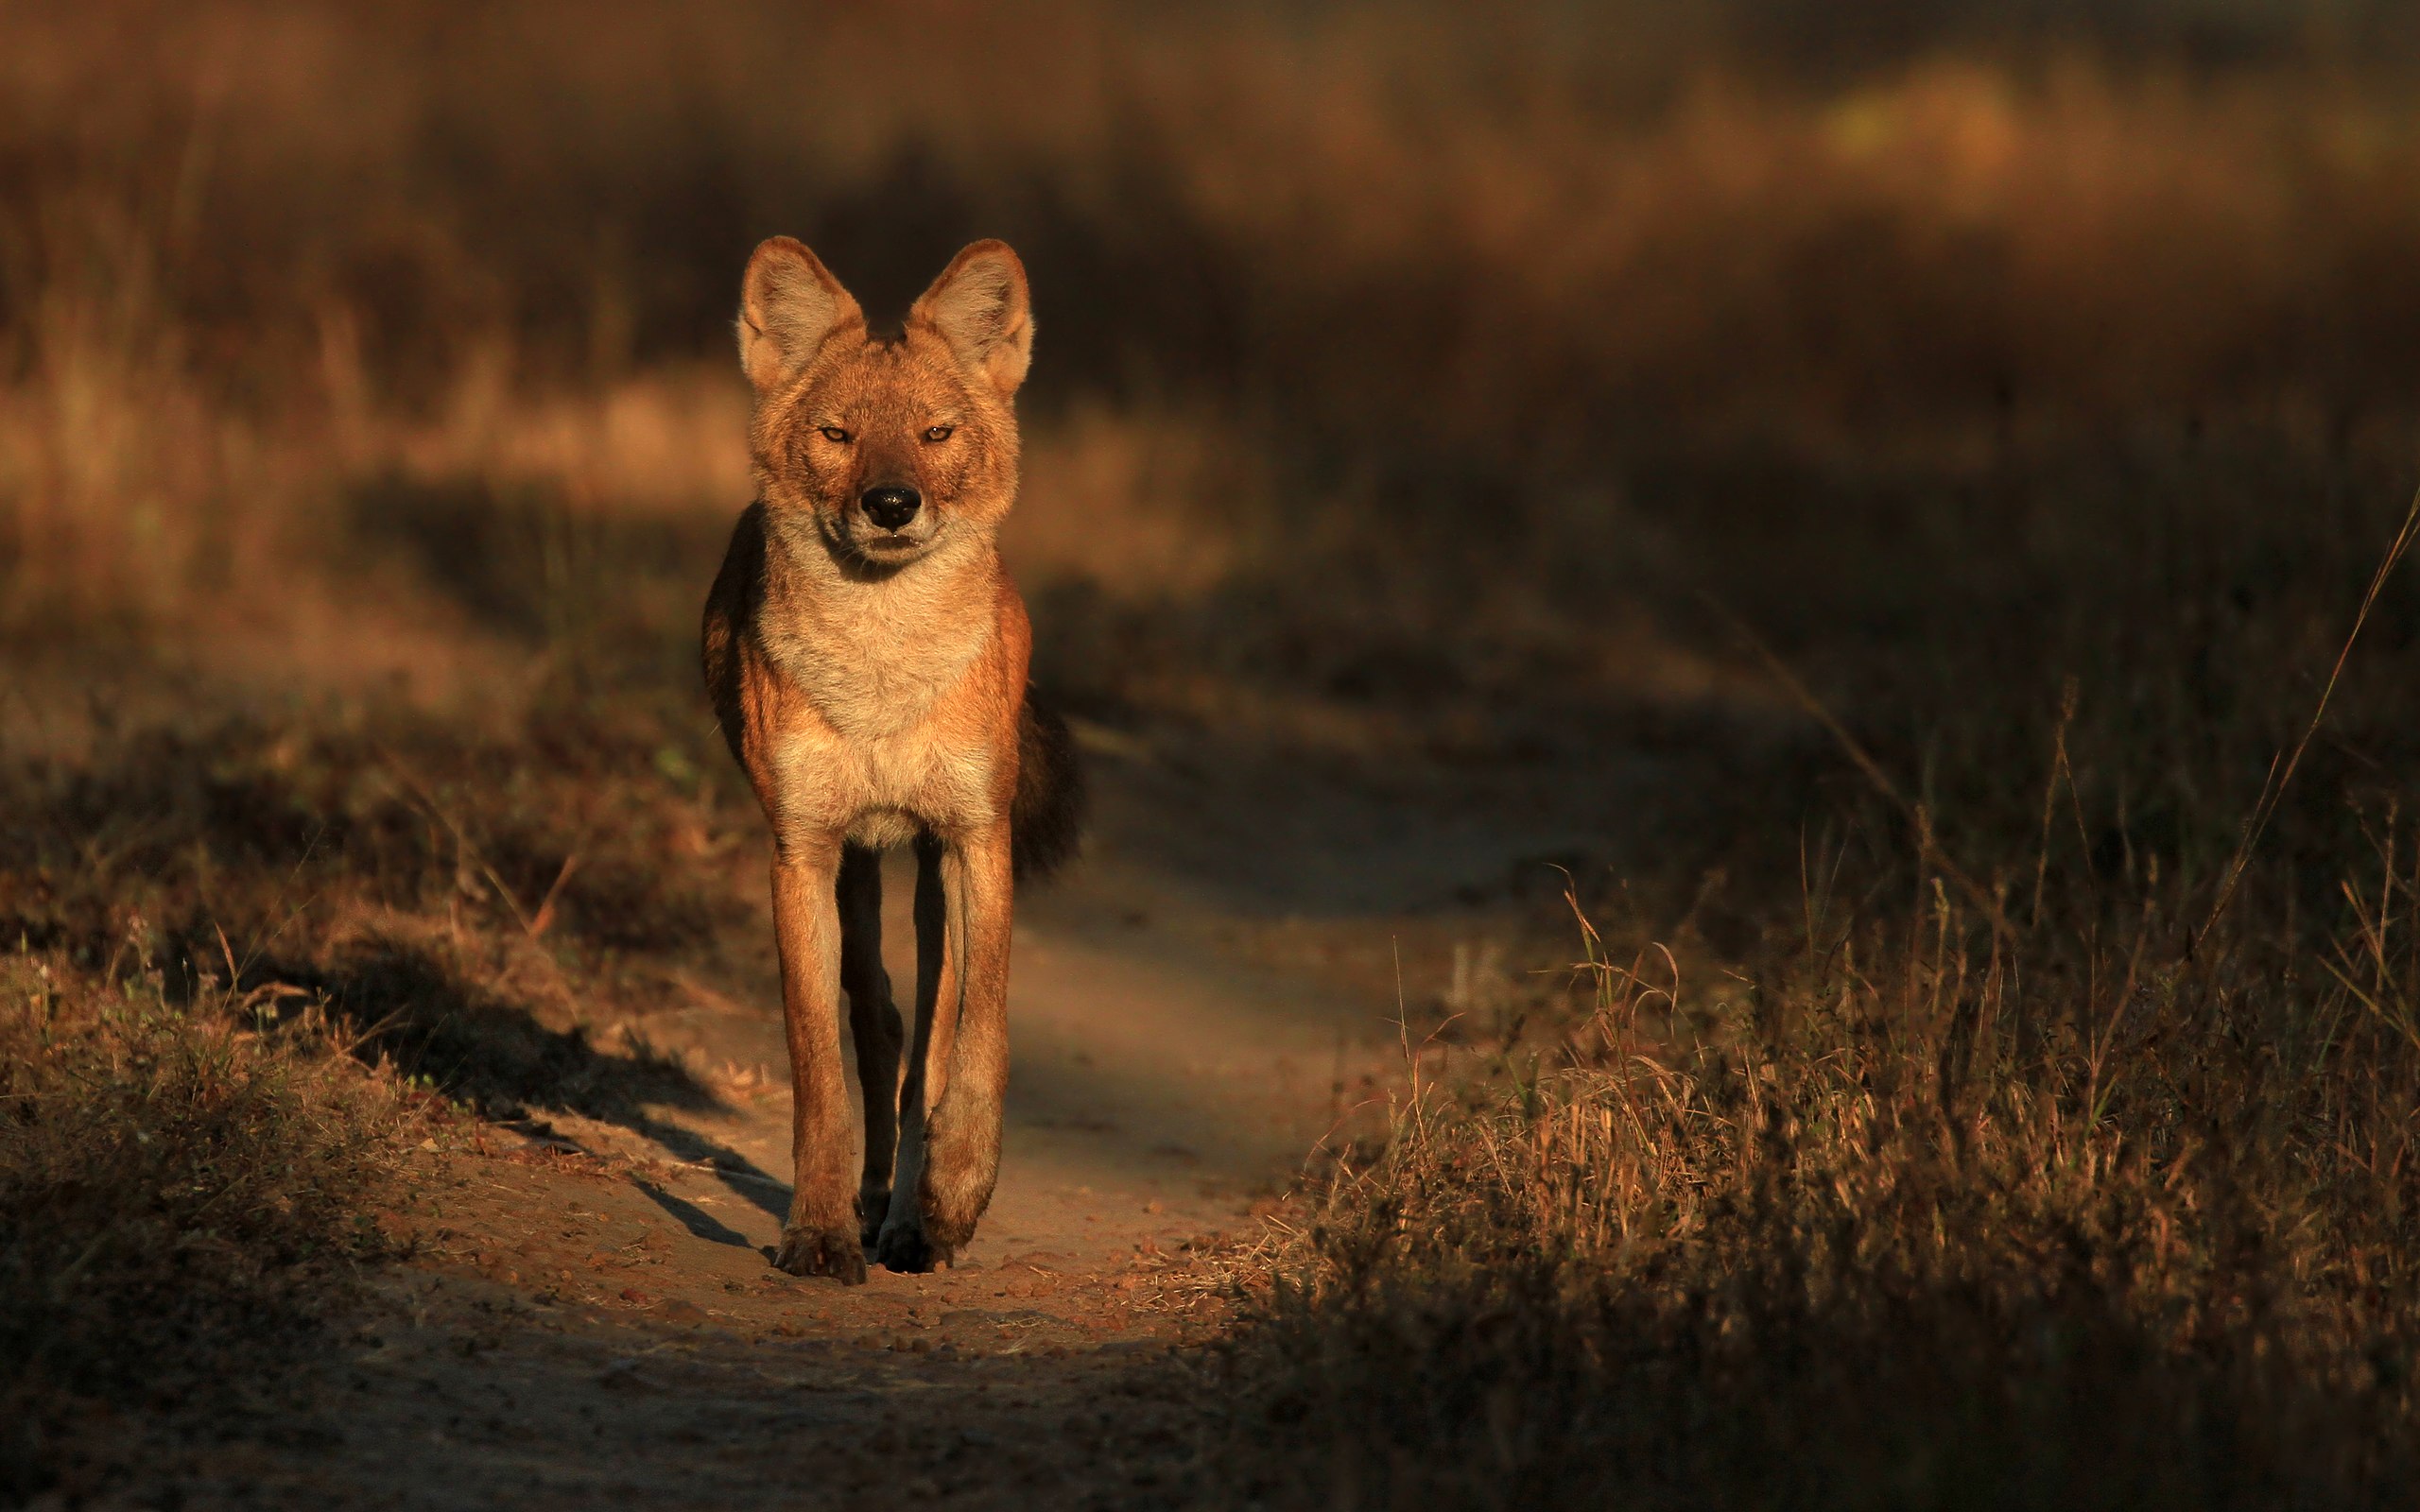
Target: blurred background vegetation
<point x="1431" y="398"/>
<point x="1620" y="296"/>
<point x="1406" y="377"/>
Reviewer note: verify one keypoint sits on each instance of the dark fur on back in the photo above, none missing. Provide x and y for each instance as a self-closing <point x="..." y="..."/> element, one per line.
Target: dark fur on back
<point x="738" y="592"/>
<point x="1046" y="818"/>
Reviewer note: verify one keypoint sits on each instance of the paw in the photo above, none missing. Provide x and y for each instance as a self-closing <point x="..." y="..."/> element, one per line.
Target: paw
<point x="820" y="1252"/>
<point x="872" y="1208"/>
<point x="908" y="1249"/>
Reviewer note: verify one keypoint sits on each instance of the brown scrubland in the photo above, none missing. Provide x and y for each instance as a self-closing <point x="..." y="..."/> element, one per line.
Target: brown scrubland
<point x="1979" y="1065"/>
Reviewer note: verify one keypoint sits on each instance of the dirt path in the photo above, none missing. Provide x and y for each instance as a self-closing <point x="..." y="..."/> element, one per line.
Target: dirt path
<point x="1158" y="1084"/>
<point x="591" y="1319"/>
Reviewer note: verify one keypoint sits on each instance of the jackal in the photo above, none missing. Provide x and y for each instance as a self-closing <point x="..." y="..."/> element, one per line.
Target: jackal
<point x="866" y="654"/>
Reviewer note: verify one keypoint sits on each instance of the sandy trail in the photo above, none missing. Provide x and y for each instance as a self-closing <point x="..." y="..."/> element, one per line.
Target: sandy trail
<point x="1158" y="1083"/>
<point x="590" y="1318"/>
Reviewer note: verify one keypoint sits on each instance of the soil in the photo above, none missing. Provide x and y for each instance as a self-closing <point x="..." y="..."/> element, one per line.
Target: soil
<point x="588" y="1317"/>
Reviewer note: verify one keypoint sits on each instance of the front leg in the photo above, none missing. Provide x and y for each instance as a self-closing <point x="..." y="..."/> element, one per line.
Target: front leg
<point x="959" y="1071"/>
<point x="820" y="1238"/>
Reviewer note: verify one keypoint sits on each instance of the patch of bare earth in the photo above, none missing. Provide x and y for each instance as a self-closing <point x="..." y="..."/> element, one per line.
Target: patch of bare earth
<point x="561" y="1339"/>
<point x="585" y="1313"/>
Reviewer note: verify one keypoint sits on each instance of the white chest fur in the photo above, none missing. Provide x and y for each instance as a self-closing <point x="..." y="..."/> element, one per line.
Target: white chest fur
<point x="875" y="662"/>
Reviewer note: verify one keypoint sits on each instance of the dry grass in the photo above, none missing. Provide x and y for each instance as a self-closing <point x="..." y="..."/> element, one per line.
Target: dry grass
<point x="2016" y="1148"/>
<point x="256" y="959"/>
<point x="186" y="1193"/>
<point x="466" y="900"/>
<point x="2043" y="399"/>
<point x="264" y="256"/>
<point x="1839" y="1248"/>
<point x="1904" y="1211"/>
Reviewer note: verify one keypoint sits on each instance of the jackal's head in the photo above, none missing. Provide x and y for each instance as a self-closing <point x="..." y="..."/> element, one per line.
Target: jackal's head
<point x="893" y="448"/>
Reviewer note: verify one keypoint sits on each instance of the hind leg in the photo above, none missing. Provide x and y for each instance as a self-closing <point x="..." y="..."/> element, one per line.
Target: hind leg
<point x="874" y="1024"/>
<point x="900" y="1243"/>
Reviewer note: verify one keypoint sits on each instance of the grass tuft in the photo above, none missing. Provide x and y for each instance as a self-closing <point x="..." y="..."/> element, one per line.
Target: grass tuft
<point x="186" y="1196"/>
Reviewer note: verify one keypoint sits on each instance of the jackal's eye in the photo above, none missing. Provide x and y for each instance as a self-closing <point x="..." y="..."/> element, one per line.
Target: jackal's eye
<point x="834" y="433"/>
<point x="938" y="433"/>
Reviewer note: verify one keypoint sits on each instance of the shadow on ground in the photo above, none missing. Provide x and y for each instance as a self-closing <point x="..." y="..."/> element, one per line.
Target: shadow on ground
<point x="402" y="1003"/>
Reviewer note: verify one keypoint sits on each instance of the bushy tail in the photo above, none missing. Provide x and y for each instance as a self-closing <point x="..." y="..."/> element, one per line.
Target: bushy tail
<point x="1046" y="820"/>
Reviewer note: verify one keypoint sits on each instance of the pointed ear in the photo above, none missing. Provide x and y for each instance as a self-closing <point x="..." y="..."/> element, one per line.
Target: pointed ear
<point x="981" y="308"/>
<point x="790" y="305"/>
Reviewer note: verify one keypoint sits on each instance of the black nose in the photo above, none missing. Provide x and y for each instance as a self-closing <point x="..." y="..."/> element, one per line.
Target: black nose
<point x="891" y="505"/>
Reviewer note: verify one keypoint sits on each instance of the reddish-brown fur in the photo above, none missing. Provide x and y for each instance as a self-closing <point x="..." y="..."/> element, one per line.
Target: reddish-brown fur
<point x="872" y="682"/>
